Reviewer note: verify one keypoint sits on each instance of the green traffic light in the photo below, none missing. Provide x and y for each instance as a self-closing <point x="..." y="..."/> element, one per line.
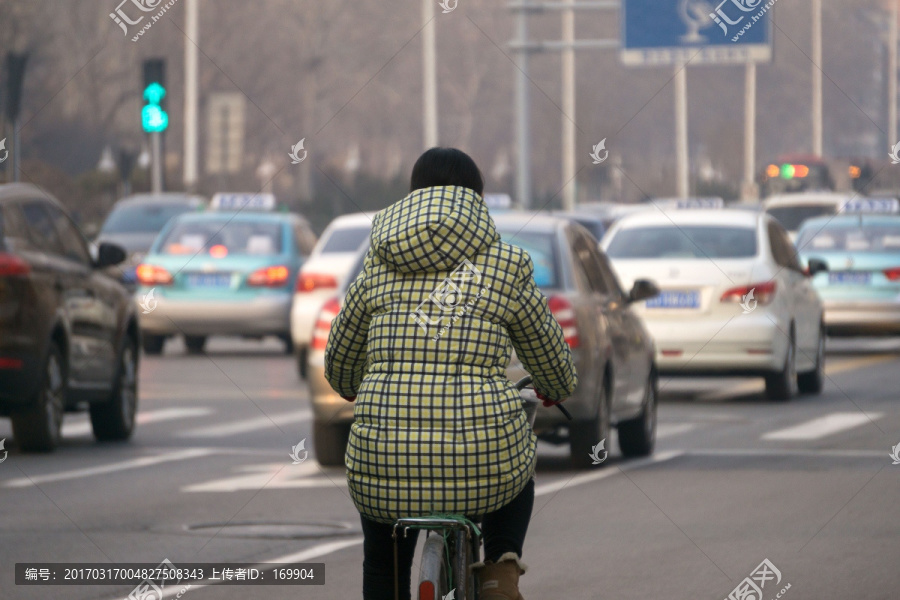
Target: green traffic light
<point x="787" y="171"/>
<point x="154" y="93"/>
<point x="154" y="119"/>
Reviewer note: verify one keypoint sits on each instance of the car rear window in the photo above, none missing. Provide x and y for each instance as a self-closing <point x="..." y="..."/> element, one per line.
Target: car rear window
<point x="685" y="241"/>
<point x="221" y="238"/>
<point x="346" y="240"/>
<point x="868" y="238"/>
<point x="791" y="217"/>
<point x="141" y="218"/>
<point x="541" y="248"/>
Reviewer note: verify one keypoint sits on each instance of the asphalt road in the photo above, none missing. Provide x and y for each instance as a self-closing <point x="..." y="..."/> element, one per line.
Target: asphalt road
<point x="808" y="485"/>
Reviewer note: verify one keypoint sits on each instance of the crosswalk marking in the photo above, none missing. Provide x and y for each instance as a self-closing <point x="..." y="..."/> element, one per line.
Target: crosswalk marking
<point x="273" y="476"/>
<point x="145" y="417"/>
<point x="823" y="426"/>
<point x="248" y="425"/>
<point x="126" y="465"/>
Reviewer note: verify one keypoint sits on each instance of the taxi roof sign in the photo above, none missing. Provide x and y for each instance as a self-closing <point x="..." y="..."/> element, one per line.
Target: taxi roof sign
<point x="871" y="205"/>
<point x="243" y="201"/>
<point x="690" y="203"/>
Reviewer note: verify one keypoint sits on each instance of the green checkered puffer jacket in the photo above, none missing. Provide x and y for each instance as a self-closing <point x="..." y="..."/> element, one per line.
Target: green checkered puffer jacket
<point x="423" y="340"/>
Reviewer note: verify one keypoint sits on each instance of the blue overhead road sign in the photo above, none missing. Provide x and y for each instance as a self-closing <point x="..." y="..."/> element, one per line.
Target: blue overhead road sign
<point x="666" y="32"/>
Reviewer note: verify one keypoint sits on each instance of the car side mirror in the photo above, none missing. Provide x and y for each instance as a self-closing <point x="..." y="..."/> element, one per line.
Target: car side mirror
<point x="109" y="255"/>
<point x="642" y="290"/>
<point x="815" y="266"/>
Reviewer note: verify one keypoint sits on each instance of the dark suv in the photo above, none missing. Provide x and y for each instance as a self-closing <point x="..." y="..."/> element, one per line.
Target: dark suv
<point x="68" y="331"/>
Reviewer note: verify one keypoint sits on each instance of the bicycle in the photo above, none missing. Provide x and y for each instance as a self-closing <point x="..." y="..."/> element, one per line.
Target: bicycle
<point x="452" y="542"/>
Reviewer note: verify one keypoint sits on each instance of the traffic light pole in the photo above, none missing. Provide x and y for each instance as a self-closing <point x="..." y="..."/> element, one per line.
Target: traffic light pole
<point x="156" y="168"/>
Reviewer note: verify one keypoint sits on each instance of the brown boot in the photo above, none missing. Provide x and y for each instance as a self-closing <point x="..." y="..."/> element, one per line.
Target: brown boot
<point x="500" y="580"/>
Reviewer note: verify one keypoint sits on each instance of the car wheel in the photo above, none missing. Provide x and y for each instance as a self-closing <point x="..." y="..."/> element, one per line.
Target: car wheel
<point x="637" y="436"/>
<point x="195" y="343"/>
<point x="288" y="343"/>
<point x="153" y="344"/>
<point x="585" y="435"/>
<point x="113" y="419"/>
<point x="300" y="353"/>
<point x="37" y="428"/>
<point x="812" y="382"/>
<point x="330" y="442"/>
<point x="782" y="386"/>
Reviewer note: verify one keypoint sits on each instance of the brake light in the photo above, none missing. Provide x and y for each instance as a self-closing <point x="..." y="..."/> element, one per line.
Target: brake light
<point x="328" y="313"/>
<point x="763" y="293"/>
<point x="565" y="315"/>
<point x="13" y="266"/>
<point x="426" y="591"/>
<point x="269" y="276"/>
<point x="892" y="274"/>
<point x="11" y="363"/>
<point x="152" y="275"/>
<point x="308" y="282"/>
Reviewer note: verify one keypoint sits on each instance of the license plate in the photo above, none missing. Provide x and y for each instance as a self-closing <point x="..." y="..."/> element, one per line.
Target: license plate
<point x="217" y="280"/>
<point x="849" y="278"/>
<point x="675" y="300"/>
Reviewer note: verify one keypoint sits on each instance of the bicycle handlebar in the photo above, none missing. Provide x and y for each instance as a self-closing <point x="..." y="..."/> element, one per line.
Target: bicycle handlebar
<point x="526" y="381"/>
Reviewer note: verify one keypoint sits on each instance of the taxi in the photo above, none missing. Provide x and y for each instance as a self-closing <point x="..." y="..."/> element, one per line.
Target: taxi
<point x="228" y="271"/>
<point x="861" y="290"/>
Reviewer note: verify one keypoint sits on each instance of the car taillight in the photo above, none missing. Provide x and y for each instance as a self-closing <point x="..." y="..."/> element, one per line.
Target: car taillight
<point x="269" y="276"/>
<point x="565" y="315"/>
<point x="329" y="311"/>
<point x="308" y="282"/>
<point x="13" y="266"/>
<point x="763" y="293"/>
<point x="152" y="275"/>
<point x="892" y="274"/>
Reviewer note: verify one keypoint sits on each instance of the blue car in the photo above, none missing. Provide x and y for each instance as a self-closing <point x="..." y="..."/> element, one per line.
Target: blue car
<point x="229" y="271"/>
<point x="861" y="290"/>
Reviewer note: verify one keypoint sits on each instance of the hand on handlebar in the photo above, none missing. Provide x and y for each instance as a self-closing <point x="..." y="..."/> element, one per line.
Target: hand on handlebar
<point x="547" y="401"/>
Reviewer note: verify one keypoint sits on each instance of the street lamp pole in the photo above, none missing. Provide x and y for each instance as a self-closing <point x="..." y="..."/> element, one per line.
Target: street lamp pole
<point x="570" y="192"/>
<point x="892" y="72"/>
<point x="817" y="77"/>
<point x="191" y="83"/>
<point x="429" y="56"/>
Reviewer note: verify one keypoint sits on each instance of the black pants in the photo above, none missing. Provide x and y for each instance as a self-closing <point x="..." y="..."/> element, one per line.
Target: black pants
<point x="504" y="531"/>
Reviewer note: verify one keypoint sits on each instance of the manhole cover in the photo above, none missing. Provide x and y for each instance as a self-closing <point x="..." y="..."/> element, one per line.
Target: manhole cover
<point x="270" y="530"/>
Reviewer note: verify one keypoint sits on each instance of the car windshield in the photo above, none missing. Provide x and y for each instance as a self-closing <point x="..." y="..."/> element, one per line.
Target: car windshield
<point x="221" y="238"/>
<point x="542" y="250"/>
<point x="142" y="218"/>
<point x="345" y="240"/>
<point x="868" y="238"/>
<point x="791" y="217"/>
<point x="684" y="241"/>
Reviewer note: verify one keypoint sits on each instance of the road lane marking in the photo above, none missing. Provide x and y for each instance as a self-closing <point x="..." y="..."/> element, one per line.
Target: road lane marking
<point x="248" y="425"/>
<point x="664" y="430"/>
<point x="754" y="452"/>
<point x="555" y="486"/>
<point x="272" y="476"/>
<point x="307" y="555"/>
<point x="126" y="465"/>
<point x="822" y="426"/>
<point x="145" y="417"/>
<point x="757" y="386"/>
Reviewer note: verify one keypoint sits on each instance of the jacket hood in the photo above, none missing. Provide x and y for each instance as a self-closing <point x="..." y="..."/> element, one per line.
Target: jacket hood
<point x="433" y="229"/>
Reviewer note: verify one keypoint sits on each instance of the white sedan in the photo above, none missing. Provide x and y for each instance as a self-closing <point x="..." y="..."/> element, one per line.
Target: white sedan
<point x="735" y="300"/>
<point x="322" y="274"/>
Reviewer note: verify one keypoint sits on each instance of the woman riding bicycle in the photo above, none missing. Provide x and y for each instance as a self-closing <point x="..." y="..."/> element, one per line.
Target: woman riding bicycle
<point x="421" y="344"/>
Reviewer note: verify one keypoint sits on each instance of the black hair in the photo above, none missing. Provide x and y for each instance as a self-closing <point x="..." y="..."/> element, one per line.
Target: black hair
<point x="446" y="166"/>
